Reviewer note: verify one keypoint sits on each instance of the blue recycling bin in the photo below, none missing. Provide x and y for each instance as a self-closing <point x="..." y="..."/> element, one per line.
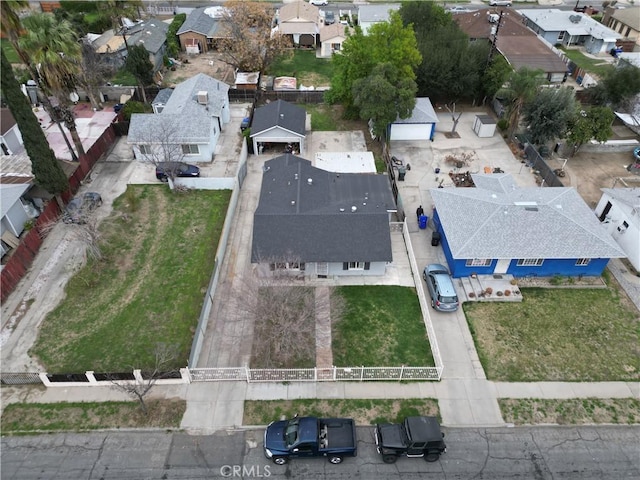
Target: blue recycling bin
<point x="422" y="221"/>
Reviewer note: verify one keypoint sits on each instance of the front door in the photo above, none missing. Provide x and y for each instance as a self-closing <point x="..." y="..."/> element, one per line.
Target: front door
<point x="502" y="266"/>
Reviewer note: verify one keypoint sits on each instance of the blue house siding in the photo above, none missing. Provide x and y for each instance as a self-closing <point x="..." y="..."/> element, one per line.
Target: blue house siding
<point x="549" y="268"/>
<point x="560" y="266"/>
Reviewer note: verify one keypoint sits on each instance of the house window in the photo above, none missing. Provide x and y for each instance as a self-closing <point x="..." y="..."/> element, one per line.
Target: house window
<point x="478" y="262"/>
<point x="190" y="149"/>
<point x="335" y="47"/>
<point x="159" y="108"/>
<point x="583" y="262"/>
<point x="145" y="149"/>
<point x="287" y="266"/>
<point x="530" y="262"/>
<point x="560" y="37"/>
<point x="356" y="266"/>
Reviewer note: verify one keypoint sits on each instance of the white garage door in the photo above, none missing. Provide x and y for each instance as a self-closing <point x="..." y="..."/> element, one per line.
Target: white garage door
<point x="413" y="131"/>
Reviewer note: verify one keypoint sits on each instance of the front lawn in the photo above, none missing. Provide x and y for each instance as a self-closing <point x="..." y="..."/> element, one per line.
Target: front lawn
<point x="382" y="327"/>
<point x="585" y="335"/>
<point x="51" y="417"/>
<point x="595" y="66"/>
<point x="363" y="411"/>
<point x="305" y="66"/>
<point x="147" y="289"/>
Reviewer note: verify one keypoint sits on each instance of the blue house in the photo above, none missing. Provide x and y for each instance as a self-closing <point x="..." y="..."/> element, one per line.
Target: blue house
<point x="499" y="228"/>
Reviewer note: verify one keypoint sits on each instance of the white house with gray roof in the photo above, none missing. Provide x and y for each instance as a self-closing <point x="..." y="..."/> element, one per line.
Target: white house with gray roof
<point x="619" y="212"/>
<point x="499" y="228"/>
<point x="201" y="30"/>
<point x="193" y="117"/>
<point x="319" y="224"/>
<point x="567" y="27"/>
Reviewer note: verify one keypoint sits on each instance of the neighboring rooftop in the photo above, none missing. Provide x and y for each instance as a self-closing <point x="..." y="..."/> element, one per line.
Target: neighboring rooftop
<point x="423" y="112"/>
<point x="574" y="23"/>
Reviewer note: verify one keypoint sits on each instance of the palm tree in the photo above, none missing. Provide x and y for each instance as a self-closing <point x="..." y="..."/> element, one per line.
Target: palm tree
<point x="53" y="47"/>
<point x="523" y="85"/>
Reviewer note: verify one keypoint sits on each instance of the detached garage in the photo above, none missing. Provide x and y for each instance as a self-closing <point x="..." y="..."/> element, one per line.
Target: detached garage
<point x="277" y="125"/>
<point x="421" y="125"/>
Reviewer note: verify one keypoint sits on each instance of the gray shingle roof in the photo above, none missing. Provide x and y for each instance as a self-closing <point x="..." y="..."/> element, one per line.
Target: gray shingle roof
<point x="188" y="120"/>
<point x="423" y="112"/>
<point x="375" y="13"/>
<point x="281" y="114"/>
<point x="521" y="223"/>
<point x="302" y="221"/>
<point x="151" y="33"/>
<point x="628" y="196"/>
<point x="199" y="22"/>
<point x="163" y="96"/>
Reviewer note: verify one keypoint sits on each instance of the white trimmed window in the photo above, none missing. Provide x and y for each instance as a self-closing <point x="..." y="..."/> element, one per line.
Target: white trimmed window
<point x="287" y="266"/>
<point x="478" y="262"/>
<point x="356" y="266"/>
<point x="583" y="261"/>
<point x="190" y="149"/>
<point x="530" y="262"/>
<point x="145" y="149"/>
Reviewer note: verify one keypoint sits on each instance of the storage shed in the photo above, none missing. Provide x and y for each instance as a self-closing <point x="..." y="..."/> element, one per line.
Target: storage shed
<point x="484" y="126"/>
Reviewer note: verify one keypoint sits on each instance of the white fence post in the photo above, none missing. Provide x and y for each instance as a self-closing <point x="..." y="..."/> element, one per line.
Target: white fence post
<point x="247" y="373"/>
<point x="361" y="372"/>
<point x="45" y="379"/>
<point x="401" y="372"/>
<point x="137" y="373"/>
<point x="184" y="373"/>
<point x="91" y="377"/>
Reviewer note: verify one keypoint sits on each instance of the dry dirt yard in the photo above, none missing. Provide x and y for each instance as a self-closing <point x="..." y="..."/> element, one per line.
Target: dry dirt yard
<point x="208" y="63"/>
<point x="588" y="172"/>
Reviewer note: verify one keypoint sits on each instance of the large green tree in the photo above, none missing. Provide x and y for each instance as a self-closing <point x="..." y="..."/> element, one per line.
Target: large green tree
<point x="383" y="96"/>
<point x="139" y="65"/>
<point x="590" y="123"/>
<point x="521" y="89"/>
<point x="46" y="169"/>
<point x="549" y="113"/>
<point x="618" y="89"/>
<point x="386" y="43"/>
<point x="452" y="68"/>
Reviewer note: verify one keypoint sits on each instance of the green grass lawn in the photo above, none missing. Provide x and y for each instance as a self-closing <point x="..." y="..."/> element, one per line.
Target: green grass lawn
<point x="382" y="326"/>
<point x="122" y="77"/>
<point x="591" y="65"/>
<point x="147" y="289"/>
<point x="303" y="65"/>
<point x="558" y="335"/>
<point x="9" y="51"/>
<point x="363" y="411"/>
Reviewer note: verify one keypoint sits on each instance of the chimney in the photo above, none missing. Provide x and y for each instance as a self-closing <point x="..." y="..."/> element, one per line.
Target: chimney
<point x="203" y="97"/>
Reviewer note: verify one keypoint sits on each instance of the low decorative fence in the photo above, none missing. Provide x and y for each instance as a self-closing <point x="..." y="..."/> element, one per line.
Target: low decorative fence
<point x="332" y="374"/>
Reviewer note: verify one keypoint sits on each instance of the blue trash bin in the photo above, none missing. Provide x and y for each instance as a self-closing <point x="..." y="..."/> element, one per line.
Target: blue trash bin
<point x="422" y="221"/>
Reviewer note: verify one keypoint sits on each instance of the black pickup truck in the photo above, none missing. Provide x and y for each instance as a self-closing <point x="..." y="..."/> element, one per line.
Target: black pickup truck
<point x="415" y="437"/>
<point x="300" y="437"/>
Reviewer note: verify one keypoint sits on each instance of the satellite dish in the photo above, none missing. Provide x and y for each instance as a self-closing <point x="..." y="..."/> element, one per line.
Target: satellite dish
<point x="74" y="97"/>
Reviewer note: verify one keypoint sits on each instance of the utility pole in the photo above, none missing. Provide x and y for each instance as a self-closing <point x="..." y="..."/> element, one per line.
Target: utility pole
<point x="494" y="30"/>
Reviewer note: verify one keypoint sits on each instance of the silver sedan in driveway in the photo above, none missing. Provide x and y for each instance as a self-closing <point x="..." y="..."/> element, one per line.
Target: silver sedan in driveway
<point x="441" y="289"/>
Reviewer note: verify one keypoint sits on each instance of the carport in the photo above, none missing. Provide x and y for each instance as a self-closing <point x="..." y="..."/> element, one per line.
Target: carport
<point x="277" y="125"/>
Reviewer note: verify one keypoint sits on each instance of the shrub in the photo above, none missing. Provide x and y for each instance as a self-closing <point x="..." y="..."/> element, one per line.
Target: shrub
<point x="472" y="295"/>
<point x="503" y="124"/>
<point x="488" y="291"/>
<point x="499" y="293"/>
<point x="135" y="107"/>
<point x="507" y="293"/>
<point x="173" y="47"/>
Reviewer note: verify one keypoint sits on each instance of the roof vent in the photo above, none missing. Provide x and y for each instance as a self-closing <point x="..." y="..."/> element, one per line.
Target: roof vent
<point x="310" y="181"/>
<point x="575" y="18"/>
<point x="293" y="202"/>
<point x="295" y="176"/>
<point x="354" y="208"/>
<point x="203" y="97"/>
<point x="342" y="209"/>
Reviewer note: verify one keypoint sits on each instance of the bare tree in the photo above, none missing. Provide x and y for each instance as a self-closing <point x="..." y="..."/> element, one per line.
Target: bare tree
<point x="94" y="71"/>
<point x="284" y="312"/>
<point x="88" y="234"/>
<point x="160" y="146"/>
<point x="250" y="44"/>
<point x="455" y="118"/>
<point x="165" y="356"/>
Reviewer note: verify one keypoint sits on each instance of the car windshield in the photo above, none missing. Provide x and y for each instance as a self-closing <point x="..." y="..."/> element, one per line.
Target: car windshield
<point x="449" y="299"/>
<point x="291" y="431"/>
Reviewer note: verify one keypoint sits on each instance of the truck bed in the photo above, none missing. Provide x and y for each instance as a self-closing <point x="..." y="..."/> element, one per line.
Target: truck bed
<point x="341" y="433"/>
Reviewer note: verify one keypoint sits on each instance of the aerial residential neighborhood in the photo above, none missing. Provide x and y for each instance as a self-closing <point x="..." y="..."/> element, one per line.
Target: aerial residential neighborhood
<point x="366" y="231"/>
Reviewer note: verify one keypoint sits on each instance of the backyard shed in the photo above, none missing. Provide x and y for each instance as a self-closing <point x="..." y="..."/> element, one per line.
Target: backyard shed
<point x="484" y="126"/>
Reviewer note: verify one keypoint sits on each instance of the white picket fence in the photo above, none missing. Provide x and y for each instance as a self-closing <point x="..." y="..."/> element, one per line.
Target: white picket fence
<point x="333" y="374"/>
